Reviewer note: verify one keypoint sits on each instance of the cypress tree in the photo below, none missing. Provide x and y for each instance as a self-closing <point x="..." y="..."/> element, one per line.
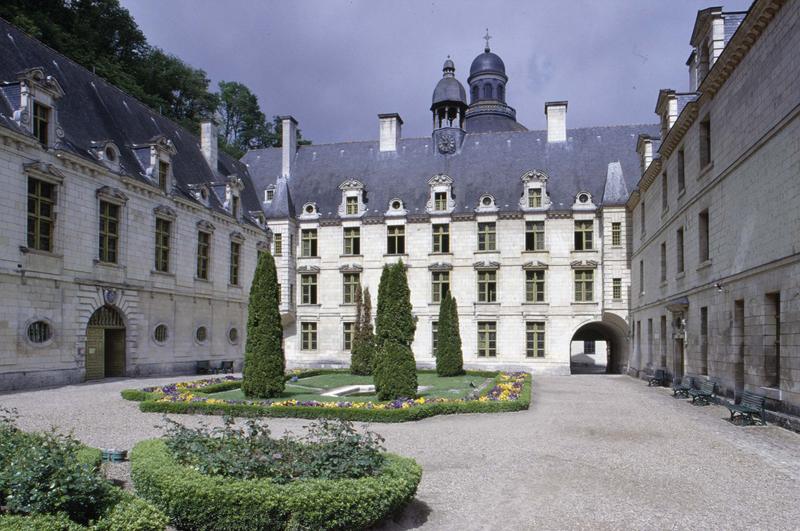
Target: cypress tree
<point x="363" y="347"/>
<point x="395" y="371"/>
<point x="449" y="359"/>
<point x="263" y="355"/>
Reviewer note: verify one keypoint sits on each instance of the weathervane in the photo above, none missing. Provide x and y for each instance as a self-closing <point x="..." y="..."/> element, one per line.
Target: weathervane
<point x="486" y="38"/>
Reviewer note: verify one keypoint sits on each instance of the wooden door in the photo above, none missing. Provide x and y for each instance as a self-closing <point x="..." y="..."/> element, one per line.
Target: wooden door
<point x="115" y="352"/>
<point x="95" y="353"/>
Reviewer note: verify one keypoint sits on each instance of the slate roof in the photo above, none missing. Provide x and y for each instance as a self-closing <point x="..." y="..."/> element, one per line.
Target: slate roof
<point x="93" y="110"/>
<point x="486" y="163"/>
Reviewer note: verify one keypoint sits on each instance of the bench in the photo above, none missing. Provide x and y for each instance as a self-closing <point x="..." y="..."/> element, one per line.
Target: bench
<point x="659" y="378"/>
<point x="704" y="393"/>
<point x="203" y="367"/>
<point x="682" y="387"/>
<point x="226" y="367"/>
<point x="750" y="404"/>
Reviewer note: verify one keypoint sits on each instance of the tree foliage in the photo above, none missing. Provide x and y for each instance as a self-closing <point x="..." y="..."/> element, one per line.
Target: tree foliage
<point x="394" y="367"/>
<point x="449" y="359"/>
<point x="363" y="347"/>
<point x="264" y="361"/>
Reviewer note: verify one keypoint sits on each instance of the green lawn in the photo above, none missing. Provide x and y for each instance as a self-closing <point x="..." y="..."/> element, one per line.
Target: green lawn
<point x="309" y="388"/>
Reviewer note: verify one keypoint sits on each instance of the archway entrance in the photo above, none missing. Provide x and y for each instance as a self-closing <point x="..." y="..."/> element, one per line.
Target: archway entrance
<point x="105" y="344"/>
<point x="600" y="347"/>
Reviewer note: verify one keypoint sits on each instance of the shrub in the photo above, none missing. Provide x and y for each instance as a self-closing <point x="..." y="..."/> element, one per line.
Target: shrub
<point x="197" y="501"/>
<point x="126" y="512"/>
<point x="39" y="522"/>
<point x="449" y="360"/>
<point x="264" y="359"/>
<point x="363" y="348"/>
<point x="395" y="374"/>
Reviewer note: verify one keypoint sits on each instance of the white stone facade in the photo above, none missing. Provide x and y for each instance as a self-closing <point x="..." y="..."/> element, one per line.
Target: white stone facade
<point x="741" y="273"/>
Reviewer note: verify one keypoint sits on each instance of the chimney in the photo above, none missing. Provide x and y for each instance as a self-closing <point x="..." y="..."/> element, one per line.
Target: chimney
<point x="389" y="131"/>
<point x="209" y="143"/>
<point x="288" y="143"/>
<point x="556" y="112"/>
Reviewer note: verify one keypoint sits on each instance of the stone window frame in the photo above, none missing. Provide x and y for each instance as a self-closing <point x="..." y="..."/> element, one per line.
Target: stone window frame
<point x="206" y="228"/>
<point x="313" y="343"/>
<point x="168" y="214"/>
<point x="167" y="333"/>
<point x="487" y="203"/>
<point x="197" y="328"/>
<point x="161" y="150"/>
<point x="586" y="242"/>
<point x="237" y="239"/>
<point x="489" y="243"/>
<point x="531" y="180"/>
<point x="584" y="201"/>
<point x="233" y="328"/>
<point x="37" y="88"/>
<point x="394" y="210"/>
<point x="535" y="267"/>
<point x="114" y="196"/>
<point x="398" y="238"/>
<point x="269" y="193"/>
<point x="487" y="295"/>
<point x="534" y="354"/>
<point x="352" y="188"/>
<point x="440" y="241"/>
<point x="530" y="225"/>
<point x="309" y="211"/>
<point x="354" y="241"/>
<point x="350" y="287"/>
<point x="49" y="174"/>
<point x="26" y="334"/>
<point x="345" y="333"/>
<point x="440" y="287"/>
<point x="312" y="240"/>
<point x="309" y="272"/>
<point x="489" y="328"/>
<point x="440" y="183"/>
<point x="581" y="267"/>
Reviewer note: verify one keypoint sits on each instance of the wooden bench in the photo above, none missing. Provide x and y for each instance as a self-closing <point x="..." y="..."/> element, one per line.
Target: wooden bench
<point x="704" y="393"/>
<point x="659" y="378"/>
<point x="682" y="387"/>
<point x="203" y="367"/>
<point x="226" y="367"/>
<point x="750" y="404"/>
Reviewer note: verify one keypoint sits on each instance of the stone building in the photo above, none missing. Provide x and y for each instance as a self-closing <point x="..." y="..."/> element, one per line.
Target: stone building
<point x="127" y="243"/>
<point x="716" y="229"/>
<point x="528" y="229"/>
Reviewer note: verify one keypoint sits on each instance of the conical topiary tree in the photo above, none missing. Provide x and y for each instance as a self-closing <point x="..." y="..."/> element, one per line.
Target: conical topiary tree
<point x="363" y="348"/>
<point x="449" y="360"/>
<point x="394" y="369"/>
<point x="264" y="361"/>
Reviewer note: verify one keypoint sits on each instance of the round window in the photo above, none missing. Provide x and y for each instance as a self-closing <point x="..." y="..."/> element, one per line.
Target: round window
<point x="160" y="333"/>
<point x="111" y="154"/>
<point x="233" y="335"/>
<point x="583" y="198"/>
<point x="309" y="209"/>
<point x="487" y="201"/>
<point x="39" y="332"/>
<point x="201" y="334"/>
<point x="396" y="205"/>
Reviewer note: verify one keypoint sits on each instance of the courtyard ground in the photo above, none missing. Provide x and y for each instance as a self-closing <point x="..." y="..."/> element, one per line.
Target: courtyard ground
<point x="593" y="452"/>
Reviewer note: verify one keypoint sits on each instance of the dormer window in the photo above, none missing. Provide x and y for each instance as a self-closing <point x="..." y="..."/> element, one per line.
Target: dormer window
<point x="351" y="206"/>
<point x="534" y="192"/>
<point x="486" y="204"/>
<point x="583" y="201"/>
<point x="41" y="122"/>
<point x="535" y="197"/>
<point x="37" y="106"/>
<point x="441" y="198"/>
<point x="269" y="194"/>
<point x="235" y="206"/>
<point x="163" y="174"/>
<point x="353" y="198"/>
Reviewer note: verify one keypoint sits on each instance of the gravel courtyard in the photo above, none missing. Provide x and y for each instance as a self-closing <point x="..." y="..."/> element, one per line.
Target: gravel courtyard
<point x="593" y="452"/>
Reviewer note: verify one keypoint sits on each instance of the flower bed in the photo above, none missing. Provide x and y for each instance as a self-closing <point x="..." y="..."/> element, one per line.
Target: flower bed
<point x="204" y="502"/>
<point x="509" y="392"/>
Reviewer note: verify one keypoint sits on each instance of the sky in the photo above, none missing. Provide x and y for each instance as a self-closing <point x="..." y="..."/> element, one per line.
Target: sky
<point x="335" y="65"/>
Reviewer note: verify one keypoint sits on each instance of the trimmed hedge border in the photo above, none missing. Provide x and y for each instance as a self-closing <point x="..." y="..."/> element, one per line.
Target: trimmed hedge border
<point x="149" y="404"/>
<point x="196" y="501"/>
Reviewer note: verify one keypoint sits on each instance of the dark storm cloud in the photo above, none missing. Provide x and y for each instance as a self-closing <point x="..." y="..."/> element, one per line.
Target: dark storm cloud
<point x="336" y="64"/>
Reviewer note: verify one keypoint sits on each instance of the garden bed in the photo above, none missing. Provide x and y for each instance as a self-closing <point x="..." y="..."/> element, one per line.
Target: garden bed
<point x="502" y="392"/>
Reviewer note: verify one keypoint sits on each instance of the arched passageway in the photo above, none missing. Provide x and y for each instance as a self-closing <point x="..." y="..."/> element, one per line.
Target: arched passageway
<point x="105" y="344"/>
<point x="609" y="334"/>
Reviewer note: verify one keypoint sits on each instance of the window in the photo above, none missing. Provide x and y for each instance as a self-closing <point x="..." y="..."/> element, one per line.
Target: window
<point x="535" y="197"/>
<point x="500" y="91"/>
<point x="347" y="336"/>
<point x="41" y="201"/>
<point x="308" y="336"/>
<point x="663" y="337"/>
<point x="163" y="171"/>
<point x="534" y="340"/>
<point x="352" y="240"/>
<point x="201" y="334"/>
<point x="163" y="228"/>
<point x="350" y="283"/>
<point x="705" y="143"/>
<point x="203" y="254"/>
<point x="616" y="289"/>
<point x="534" y="286"/>
<point x="475" y="90"/>
<point x="534" y="235"/>
<point x="441" y="238"/>
<point x="704" y="340"/>
<point x="679" y="250"/>
<point x="589" y="347"/>
<point x="681" y="171"/>
<point x="291" y="244"/>
<point x="41" y="122"/>
<point x="236" y="248"/>
<point x="440" y="285"/>
<point x="440" y="201"/>
<point x="39" y="332"/>
<point x="663" y="261"/>
<point x="160" y="333"/>
<point x="487" y="91"/>
<point x="487" y="286"/>
<point x="269" y="194"/>
<point x="584" y="235"/>
<point x="616" y="233"/>
<point x="650" y="351"/>
<point x="772" y="340"/>
<point x="487" y="236"/>
<point x="308" y="239"/>
<point x="435" y="337"/>
<point x="396" y="239"/>
<point x="109" y="232"/>
<point x="584" y="285"/>
<point x="702" y="237"/>
<point x="641" y="277"/>
<point x="487" y="339"/>
<point x="351" y="205"/>
<point x="278" y="244"/>
<point x="664" y="192"/>
<point x="233" y="336"/>
<point x="308" y="289"/>
<point x="643" y="219"/>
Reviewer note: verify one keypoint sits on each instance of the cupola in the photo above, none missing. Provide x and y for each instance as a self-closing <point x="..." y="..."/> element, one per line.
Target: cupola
<point x="449" y="106"/>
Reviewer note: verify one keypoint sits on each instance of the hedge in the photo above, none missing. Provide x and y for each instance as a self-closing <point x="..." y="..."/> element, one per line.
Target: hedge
<point x="152" y="405"/>
<point x="197" y="501"/>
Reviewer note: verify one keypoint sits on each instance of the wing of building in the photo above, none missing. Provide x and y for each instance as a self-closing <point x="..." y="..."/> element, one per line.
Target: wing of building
<point x="128" y="243"/>
<point x="528" y="229"/>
